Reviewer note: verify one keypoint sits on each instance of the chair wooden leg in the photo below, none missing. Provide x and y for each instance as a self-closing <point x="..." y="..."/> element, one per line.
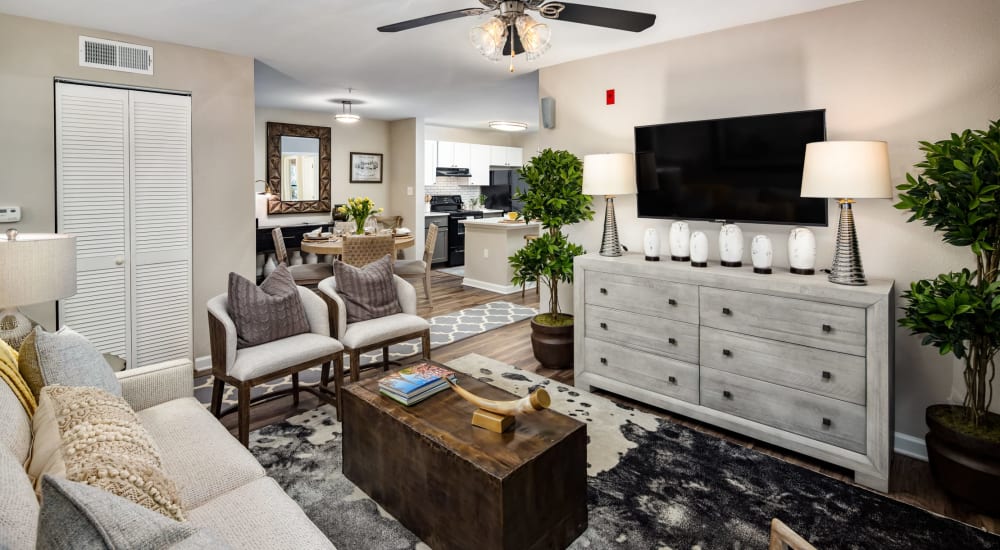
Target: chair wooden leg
<point x="218" y="389"/>
<point x="427" y="286"/>
<point x="295" y="389"/>
<point x="338" y="383"/>
<point x="385" y="358"/>
<point x="324" y="375"/>
<point x="244" y="412"/>
<point x="425" y="343"/>
<point x="355" y="365"/>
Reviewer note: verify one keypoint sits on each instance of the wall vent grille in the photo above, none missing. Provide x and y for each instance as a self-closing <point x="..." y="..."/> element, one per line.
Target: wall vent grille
<point x="116" y="56"/>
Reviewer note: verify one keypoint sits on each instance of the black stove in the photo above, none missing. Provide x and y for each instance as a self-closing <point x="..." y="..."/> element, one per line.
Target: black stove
<point x="452" y="204"/>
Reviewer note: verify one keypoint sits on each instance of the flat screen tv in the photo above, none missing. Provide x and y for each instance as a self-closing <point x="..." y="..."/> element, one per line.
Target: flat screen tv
<point x="744" y="169"/>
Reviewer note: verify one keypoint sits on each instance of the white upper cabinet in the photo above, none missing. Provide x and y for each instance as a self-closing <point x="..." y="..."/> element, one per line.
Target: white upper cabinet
<point x="479" y="165"/>
<point x="451" y="154"/>
<point x="430" y="161"/>
<point x="506" y="156"/>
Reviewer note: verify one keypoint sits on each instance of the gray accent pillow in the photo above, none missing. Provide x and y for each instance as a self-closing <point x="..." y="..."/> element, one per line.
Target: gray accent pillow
<point x="75" y="516"/>
<point x="268" y="312"/>
<point x="65" y="358"/>
<point x="369" y="292"/>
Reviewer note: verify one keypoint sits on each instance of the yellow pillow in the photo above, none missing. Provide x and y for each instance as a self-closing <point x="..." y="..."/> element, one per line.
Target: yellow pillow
<point x="87" y="435"/>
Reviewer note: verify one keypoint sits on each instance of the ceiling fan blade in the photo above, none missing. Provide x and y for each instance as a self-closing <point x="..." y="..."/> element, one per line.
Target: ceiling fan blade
<point x="601" y="17"/>
<point x="430" y="19"/>
<point x="514" y="37"/>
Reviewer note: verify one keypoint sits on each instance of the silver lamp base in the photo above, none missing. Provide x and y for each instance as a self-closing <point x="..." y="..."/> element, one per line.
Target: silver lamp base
<point x="609" y="242"/>
<point x="846" y="269"/>
<point x="14" y="327"/>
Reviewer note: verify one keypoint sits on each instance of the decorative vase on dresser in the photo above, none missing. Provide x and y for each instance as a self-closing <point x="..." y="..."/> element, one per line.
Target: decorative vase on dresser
<point x="791" y="360"/>
<point x="731" y="245"/>
<point x="761" y="253"/>
<point x="680" y="238"/>
<point x="802" y="251"/>
<point x="699" y="249"/>
<point x="651" y="244"/>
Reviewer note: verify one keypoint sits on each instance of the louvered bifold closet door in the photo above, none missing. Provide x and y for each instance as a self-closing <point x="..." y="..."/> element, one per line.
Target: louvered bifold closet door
<point x="92" y="175"/>
<point x="161" y="226"/>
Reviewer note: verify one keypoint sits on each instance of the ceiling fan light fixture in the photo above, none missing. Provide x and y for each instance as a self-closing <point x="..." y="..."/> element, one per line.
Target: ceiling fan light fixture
<point x="489" y="38"/>
<point x="535" y="37"/>
<point x="508" y="126"/>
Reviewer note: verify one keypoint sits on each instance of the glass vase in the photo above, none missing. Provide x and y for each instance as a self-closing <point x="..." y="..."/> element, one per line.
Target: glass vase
<point x="359" y="225"/>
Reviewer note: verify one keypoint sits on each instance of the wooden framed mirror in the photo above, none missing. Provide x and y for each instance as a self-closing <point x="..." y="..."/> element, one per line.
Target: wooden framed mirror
<point x="298" y="168"/>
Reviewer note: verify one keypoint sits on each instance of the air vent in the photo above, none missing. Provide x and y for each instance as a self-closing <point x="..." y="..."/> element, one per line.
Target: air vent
<point x="116" y="56"/>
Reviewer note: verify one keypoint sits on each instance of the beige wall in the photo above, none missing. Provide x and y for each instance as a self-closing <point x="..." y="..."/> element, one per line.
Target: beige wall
<point x="365" y="136"/>
<point x="33" y="53"/>
<point x="896" y="70"/>
<point x="407" y="191"/>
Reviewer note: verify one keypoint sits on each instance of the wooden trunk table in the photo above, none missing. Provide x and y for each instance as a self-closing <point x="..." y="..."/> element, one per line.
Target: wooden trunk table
<point x="457" y="486"/>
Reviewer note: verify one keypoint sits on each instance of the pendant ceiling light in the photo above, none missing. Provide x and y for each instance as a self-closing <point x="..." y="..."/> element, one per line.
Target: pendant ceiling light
<point x="346" y="114"/>
<point x="508" y="126"/>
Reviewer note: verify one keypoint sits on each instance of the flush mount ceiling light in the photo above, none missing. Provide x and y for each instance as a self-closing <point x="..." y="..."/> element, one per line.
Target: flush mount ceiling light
<point x="508" y="126"/>
<point x="346" y="114"/>
<point x="511" y="31"/>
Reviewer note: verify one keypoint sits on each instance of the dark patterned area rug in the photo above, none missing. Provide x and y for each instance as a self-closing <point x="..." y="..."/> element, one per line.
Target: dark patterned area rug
<point x="652" y="485"/>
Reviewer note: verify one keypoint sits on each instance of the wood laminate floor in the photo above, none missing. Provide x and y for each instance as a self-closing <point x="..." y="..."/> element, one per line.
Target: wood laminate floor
<point x="911" y="479"/>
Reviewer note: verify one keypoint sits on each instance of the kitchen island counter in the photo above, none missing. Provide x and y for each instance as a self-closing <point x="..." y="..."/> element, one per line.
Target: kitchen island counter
<point x="488" y="244"/>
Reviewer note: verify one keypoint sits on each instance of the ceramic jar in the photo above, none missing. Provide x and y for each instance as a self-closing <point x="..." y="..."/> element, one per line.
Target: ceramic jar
<point x="680" y="239"/>
<point x="651" y="245"/>
<point x="731" y="245"/>
<point x="802" y="251"/>
<point x="699" y="249"/>
<point x="761" y="253"/>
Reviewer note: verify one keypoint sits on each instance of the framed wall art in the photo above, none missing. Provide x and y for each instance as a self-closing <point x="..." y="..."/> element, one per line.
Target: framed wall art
<point x="366" y="167"/>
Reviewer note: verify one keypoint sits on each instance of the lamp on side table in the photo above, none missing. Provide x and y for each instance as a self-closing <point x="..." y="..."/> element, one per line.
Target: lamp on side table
<point x="609" y="174"/>
<point x="34" y="268"/>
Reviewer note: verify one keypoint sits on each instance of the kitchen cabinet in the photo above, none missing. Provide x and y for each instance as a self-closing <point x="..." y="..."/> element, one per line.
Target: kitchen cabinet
<point x="430" y="161"/>
<point x="452" y="154"/>
<point x="479" y="164"/>
<point x="506" y="156"/>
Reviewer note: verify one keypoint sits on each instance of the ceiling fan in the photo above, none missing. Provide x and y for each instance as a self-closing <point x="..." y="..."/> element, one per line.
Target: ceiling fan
<point x="512" y="31"/>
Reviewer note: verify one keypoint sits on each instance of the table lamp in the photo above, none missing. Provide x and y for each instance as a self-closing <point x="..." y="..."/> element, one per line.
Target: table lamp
<point x="609" y="174"/>
<point x="847" y="170"/>
<point x="34" y="268"/>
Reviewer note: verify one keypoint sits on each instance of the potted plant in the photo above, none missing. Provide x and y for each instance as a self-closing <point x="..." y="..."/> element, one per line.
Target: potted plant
<point x="358" y="209"/>
<point x="555" y="197"/>
<point x="958" y="194"/>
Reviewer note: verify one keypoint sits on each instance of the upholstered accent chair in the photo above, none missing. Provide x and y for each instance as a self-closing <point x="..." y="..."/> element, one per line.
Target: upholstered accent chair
<point x="247" y="367"/>
<point x="304" y="274"/>
<point x="420" y="268"/>
<point x="361" y="250"/>
<point x="382" y="332"/>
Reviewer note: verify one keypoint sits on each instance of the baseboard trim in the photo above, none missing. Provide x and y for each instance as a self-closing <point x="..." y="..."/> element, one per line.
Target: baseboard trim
<point x="913" y="447"/>
<point x="202" y="365"/>
<point x="493" y="287"/>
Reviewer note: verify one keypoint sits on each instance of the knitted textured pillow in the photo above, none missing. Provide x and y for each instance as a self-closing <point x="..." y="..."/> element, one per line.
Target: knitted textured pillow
<point x="369" y="292"/>
<point x="268" y="312"/>
<point x="88" y="435"/>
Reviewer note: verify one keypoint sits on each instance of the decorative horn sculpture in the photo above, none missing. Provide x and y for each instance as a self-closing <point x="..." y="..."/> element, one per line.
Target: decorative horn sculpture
<point x="498" y="416"/>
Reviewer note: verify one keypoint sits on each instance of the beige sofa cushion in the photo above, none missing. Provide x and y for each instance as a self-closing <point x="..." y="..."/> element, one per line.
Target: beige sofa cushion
<point x="259" y="515"/>
<point x="198" y="453"/>
<point x="18" y="504"/>
<point x="15" y="425"/>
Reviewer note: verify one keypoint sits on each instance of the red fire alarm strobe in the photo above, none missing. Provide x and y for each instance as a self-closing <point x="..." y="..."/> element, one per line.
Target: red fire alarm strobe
<point x="609" y="97"/>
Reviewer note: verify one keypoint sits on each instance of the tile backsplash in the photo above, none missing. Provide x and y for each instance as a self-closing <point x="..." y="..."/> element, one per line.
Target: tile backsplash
<point x="444" y="185"/>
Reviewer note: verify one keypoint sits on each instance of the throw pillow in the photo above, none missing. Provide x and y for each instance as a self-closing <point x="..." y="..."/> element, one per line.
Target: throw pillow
<point x="66" y="358"/>
<point x="368" y="292"/>
<point x="268" y="312"/>
<point x="74" y="515"/>
<point x="88" y="435"/>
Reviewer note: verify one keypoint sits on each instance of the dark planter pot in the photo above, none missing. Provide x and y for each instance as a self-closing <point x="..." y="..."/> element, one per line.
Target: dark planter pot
<point x="966" y="467"/>
<point x="553" y="346"/>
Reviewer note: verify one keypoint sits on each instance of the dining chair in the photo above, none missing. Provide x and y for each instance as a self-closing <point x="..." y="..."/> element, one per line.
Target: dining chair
<point x="304" y="274"/>
<point x="390" y="222"/>
<point x="420" y="268"/>
<point x="361" y="250"/>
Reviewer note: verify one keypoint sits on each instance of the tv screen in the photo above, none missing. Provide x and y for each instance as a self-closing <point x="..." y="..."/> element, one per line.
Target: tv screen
<point x="743" y="169"/>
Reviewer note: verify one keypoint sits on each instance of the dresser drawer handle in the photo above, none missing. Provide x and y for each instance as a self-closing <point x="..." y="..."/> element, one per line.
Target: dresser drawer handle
<point x="604" y="326"/>
<point x="604" y="291"/>
<point x="727" y="311"/>
<point x="672" y="379"/>
<point x="604" y="360"/>
<point x="672" y="302"/>
<point x="827" y="422"/>
<point x="727" y="394"/>
<point x="672" y="341"/>
<point x="727" y="353"/>
<point x="827" y="328"/>
<point x="827" y="375"/>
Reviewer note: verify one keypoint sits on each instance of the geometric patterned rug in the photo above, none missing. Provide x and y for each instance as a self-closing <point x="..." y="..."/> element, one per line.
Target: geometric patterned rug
<point x="445" y="329"/>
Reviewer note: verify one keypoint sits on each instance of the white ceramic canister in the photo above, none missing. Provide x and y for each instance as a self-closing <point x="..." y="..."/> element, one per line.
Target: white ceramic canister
<point x="680" y="240"/>
<point x="699" y="249"/>
<point x="651" y="244"/>
<point x="802" y="251"/>
<point x="731" y="245"/>
<point x="761" y="253"/>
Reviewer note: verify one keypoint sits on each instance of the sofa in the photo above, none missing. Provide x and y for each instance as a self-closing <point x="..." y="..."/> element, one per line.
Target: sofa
<point x="223" y="488"/>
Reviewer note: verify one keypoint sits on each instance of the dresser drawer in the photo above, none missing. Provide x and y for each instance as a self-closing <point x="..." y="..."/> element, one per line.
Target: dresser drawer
<point x="674" y="339"/>
<point x="814" y="416"/>
<point x="641" y="295"/>
<point x="820" y="325"/>
<point x="636" y="368"/>
<point x="837" y="375"/>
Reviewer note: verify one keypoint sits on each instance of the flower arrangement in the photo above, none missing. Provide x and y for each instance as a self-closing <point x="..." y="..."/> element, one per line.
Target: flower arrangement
<point x="358" y="209"/>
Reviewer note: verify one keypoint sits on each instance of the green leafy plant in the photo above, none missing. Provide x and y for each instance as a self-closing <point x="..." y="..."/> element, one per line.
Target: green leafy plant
<point x="555" y="197"/>
<point x="958" y="194"/>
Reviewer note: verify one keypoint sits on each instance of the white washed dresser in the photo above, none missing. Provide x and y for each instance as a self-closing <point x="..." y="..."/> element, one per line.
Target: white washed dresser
<point x="793" y="360"/>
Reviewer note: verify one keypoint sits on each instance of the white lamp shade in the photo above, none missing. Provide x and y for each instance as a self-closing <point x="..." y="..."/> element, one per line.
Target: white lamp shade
<point x="36" y="268"/>
<point x="847" y="170"/>
<point x="609" y="174"/>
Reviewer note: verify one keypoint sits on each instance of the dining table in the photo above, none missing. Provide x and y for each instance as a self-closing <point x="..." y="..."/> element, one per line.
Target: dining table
<point x="335" y="245"/>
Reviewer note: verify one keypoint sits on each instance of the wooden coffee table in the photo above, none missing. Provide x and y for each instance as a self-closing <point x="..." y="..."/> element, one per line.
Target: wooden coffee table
<point x="457" y="486"/>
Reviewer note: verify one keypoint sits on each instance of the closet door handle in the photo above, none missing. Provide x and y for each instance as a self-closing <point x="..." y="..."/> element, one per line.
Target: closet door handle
<point x="119" y="260"/>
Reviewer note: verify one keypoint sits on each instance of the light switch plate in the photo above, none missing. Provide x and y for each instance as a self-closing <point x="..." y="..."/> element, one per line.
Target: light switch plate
<point x="10" y="214"/>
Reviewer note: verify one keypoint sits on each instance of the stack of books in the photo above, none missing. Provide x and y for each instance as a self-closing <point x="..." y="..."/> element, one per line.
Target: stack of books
<point x="412" y="385"/>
